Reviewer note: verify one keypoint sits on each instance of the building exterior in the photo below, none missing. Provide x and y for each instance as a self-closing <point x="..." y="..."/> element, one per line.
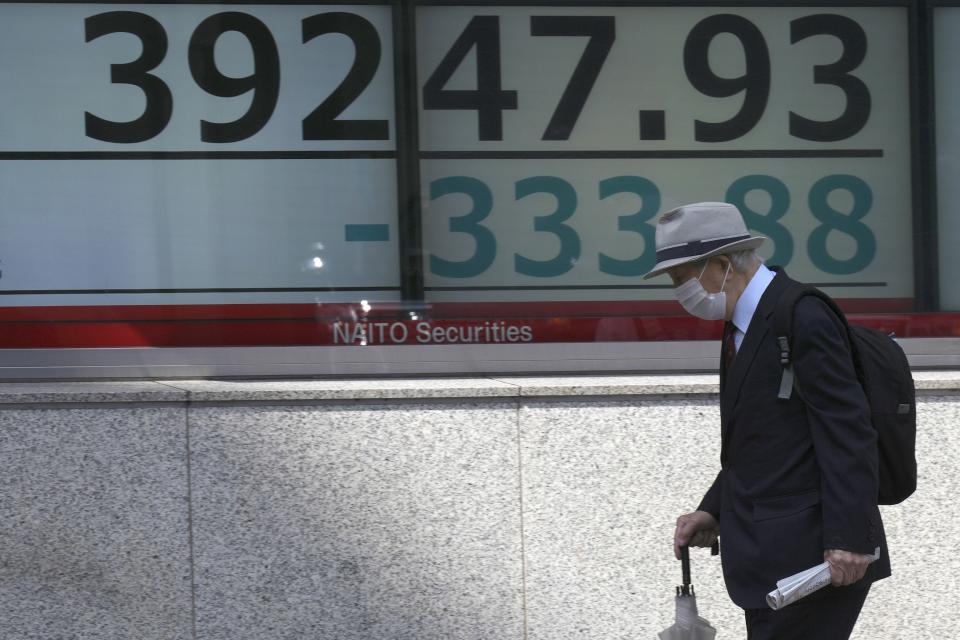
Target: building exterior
<point x="281" y="284"/>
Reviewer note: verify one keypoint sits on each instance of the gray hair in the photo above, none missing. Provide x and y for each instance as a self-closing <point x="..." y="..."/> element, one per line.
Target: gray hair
<point x="741" y="261"/>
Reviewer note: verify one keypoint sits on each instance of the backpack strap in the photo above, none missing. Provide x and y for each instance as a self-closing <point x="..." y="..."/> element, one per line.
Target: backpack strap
<point x="782" y="327"/>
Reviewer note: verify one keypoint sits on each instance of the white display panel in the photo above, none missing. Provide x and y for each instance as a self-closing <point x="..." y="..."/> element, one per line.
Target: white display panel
<point x="196" y="153"/>
<point x="552" y="136"/>
<point x="55" y="68"/>
<point x="193" y="224"/>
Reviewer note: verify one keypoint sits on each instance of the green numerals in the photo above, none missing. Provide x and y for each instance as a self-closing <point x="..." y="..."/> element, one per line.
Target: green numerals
<point x="765" y="223"/>
<point x="486" y="243"/>
<point x="554" y="223"/>
<point x="637" y="223"/>
<point x="763" y="219"/>
<point x="849" y="224"/>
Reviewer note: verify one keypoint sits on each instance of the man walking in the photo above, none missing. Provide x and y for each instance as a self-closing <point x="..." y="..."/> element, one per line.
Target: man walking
<point x="798" y="478"/>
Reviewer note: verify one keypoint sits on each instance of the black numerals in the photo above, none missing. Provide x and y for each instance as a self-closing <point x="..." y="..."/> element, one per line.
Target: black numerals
<point x="159" y="100"/>
<point x="602" y="31"/>
<point x="755" y="82"/>
<point x="322" y="124"/>
<point x="857" y="111"/>
<point x="480" y="39"/>
<point x="264" y="81"/>
<point x="489" y="99"/>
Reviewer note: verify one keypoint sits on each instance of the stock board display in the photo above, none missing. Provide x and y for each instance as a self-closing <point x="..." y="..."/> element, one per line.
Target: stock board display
<point x="189" y="157"/>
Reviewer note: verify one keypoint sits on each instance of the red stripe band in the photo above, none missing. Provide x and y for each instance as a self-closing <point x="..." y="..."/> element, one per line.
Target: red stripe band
<point x="394" y="323"/>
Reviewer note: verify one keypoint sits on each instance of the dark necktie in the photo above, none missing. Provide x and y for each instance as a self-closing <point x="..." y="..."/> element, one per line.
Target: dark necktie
<point x="729" y="343"/>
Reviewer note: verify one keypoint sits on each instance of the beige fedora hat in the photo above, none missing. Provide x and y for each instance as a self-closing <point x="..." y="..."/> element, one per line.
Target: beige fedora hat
<point x="697" y="231"/>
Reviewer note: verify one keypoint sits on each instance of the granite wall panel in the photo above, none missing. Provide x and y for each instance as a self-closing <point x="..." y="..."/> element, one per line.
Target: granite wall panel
<point x="94" y="524"/>
<point x="543" y="516"/>
<point x="920" y="599"/>
<point x="603" y="483"/>
<point x="357" y="522"/>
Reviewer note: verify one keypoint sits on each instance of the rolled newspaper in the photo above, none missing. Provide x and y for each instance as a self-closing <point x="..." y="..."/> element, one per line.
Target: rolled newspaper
<point x="802" y="584"/>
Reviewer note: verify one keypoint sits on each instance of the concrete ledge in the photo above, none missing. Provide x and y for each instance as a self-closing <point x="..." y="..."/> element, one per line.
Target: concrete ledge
<point x="200" y="391"/>
<point x="94" y="392"/>
<point x="285" y="390"/>
<point x="665" y="385"/>
<point x="936" y="380"/>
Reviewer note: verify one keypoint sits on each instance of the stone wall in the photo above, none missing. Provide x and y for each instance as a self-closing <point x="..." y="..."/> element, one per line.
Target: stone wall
<point x="444" y="509"/>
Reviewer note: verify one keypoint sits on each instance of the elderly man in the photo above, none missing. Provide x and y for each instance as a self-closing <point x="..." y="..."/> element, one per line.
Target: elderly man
<point x="798" y="477"/>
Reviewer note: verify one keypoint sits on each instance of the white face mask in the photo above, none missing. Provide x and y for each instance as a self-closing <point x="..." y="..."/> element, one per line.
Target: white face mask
<point x="699" y="303"/>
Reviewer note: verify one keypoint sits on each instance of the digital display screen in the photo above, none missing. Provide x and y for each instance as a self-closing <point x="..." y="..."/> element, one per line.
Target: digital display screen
<point x="198" y="169"/>
<point x="177" y="153"/>
<point x="553" y="136"/>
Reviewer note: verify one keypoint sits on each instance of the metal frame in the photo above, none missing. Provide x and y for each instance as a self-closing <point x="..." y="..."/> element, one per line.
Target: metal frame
<point x="926" y="269"/>
<point x="662" y="3"/>
<point x="410" y="226"/>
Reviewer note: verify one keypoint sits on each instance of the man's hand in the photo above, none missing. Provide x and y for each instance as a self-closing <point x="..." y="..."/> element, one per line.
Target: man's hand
<point x="846" y="567"/>
<point x="697" y="529"/>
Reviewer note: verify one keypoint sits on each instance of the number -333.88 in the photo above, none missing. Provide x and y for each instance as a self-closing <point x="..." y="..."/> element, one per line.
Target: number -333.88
<point x="475" y="224"/>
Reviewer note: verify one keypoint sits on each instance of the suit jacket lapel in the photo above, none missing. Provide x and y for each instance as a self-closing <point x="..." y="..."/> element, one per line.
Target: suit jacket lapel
<point x="756" y="333"/>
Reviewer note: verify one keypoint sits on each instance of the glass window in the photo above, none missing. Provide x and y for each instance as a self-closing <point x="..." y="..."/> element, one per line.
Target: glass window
<point x="551" y="138"/>
<point x="430" y="174"/>
<point x="947" y="92"/>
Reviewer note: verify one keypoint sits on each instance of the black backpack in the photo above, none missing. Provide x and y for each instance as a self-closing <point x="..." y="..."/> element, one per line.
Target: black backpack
<point x="884" y="374"/>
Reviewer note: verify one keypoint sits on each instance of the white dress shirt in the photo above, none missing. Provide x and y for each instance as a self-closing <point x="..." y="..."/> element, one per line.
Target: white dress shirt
<point x="747" y="304"/>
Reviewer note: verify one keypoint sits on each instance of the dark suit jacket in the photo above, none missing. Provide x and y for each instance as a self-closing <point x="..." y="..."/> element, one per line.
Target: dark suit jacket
<point x="797" y="476"/>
